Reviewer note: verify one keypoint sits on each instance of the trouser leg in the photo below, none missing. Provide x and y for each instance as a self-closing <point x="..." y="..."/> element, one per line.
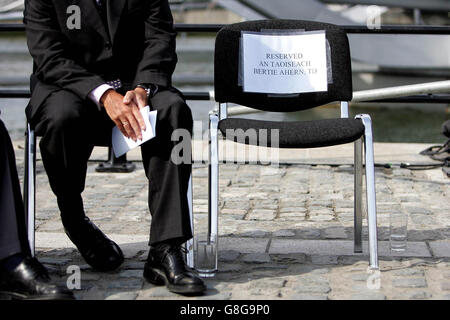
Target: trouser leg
<point x="69" y="128"/>
<point x="13" y="236"/>
<point x="168" y="179"/>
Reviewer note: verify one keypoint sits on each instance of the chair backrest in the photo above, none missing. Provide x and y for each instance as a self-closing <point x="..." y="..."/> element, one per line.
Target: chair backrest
<point x="228" y="88"/>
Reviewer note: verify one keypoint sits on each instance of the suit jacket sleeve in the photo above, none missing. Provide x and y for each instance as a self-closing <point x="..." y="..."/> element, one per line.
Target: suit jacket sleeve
<point x="159" y="57"/>
<point x="46" y="44"/>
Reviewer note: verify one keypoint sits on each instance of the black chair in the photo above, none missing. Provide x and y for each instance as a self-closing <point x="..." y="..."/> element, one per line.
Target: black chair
<point x="293" y="134"/>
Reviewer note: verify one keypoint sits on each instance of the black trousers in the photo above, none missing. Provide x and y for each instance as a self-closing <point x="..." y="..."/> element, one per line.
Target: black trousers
<point x="13" y="235"/>
<point x="70" y="127"/>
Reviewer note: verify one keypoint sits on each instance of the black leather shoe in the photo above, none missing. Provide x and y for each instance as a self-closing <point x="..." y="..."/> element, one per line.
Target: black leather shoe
<point x="97" y="249"/>
<point x="30" y="280"/>
<point x="165" y="265"/>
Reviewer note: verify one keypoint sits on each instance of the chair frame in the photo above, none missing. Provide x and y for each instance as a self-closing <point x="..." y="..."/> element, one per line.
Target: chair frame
<point x="360" y="152"/>
<point x="29" y="195"/>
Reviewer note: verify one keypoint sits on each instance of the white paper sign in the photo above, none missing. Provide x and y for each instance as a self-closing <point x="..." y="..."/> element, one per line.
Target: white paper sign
<point x="284" y="64"/>
<point x="122" y="144"/>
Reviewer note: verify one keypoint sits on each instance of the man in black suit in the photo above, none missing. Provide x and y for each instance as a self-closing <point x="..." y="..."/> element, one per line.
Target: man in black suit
<point x="96" y="63"/>
<point x="21" y="276"/>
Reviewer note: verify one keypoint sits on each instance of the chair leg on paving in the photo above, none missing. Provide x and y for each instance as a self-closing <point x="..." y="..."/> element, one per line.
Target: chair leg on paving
<point x="29" y="186"/>
<point x="358" y="170"/>
<point x="370" y="189"/>
<point x="213" y="181"/>
<point x="189" y="245"/>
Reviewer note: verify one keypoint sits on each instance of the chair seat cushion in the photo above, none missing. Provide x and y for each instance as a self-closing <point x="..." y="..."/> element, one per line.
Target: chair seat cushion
<point x="293" y="134"/>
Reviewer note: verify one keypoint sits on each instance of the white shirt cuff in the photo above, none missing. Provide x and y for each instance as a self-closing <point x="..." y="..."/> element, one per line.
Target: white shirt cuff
<point x="96" y="94"/>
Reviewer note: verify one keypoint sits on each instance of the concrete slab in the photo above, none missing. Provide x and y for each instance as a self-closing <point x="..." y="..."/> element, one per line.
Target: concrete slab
<point x="243" y="245"/>
<point x="440" y="249"/>
<point x="56" y="240"/>
<point x="342" y="248"/>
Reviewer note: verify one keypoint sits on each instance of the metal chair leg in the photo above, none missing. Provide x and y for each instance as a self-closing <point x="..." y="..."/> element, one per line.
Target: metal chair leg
<point x="358" y="196"/>
<point x="29" y="191"/>
<point x="213" y="180"/>
<point x="189" y="245"/>
<point x="370" y="189"/>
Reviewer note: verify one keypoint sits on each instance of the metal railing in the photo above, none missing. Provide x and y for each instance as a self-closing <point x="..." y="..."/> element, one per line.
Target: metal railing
<point x="351" y="29"/>
<point x="401" y="94"/>
<point x="213" y="28"/>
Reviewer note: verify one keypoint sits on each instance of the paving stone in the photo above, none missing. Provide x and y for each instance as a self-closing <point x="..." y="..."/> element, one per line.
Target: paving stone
<point x="228" y="255"/>
<point x="313" y="289"/>
<point x="243" y="245"/>
<point x="303" y="296"/>
<point x="308" y="233"/>
<point x="335" y="233"/>
<point x="320" y="270"/>
<point x="256" y="258"/>
<point x="311" y="280"/>
<point x="418" y="295"/>
<point x="125" y="284"/>
<point x="262" y="215"/>
<point x="368" y="296"/>
<point x="363" y="287"/>
<point x="122" y="296"/>
<point x="269" y="266"/>
<point x="229" y="211"/>
<point x="89" y="276"/>
<point x="408" y="272"/>
<point x="321" y="218"/>
<point x="284" y="233"/>
<point x="269" y="284"/>
<point x="131" y="274"/>
<point x="324" y="259"/>
<point x="55" y="261"/>
<point x="157" y="292"/>
<point x="425" y="235"/>
<point x="445" y="286"/>
<point x="360" y="277"/>
<point x="297" y="211"/>
<point x="290" y="258"/>
<point x="421" y="219"/>
<point x="255" y="234"/>
<point x="139" y="265"/>
<point x="440" y="248"/>
<point x="409" y="283"/>
<point x="216" y="296"/>
<point x="418" y="210"/>
<point x="229" y="267"/>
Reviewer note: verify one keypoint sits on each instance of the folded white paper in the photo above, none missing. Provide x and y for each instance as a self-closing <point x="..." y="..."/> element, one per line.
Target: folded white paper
<point x="122" y="144"/>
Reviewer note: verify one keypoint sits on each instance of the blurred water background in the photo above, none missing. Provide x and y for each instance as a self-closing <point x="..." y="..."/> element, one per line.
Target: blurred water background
<point x="404" y="122"/>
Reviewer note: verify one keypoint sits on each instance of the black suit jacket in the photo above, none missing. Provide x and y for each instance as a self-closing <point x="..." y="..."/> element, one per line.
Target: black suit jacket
<point x="139" y="47"/>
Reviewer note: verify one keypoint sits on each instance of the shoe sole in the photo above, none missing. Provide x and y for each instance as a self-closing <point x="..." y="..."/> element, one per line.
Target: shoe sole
<point x="157" y="277"/>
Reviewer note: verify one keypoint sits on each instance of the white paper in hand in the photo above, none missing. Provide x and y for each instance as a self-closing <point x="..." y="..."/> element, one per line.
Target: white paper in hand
<point x="122" y="144"/>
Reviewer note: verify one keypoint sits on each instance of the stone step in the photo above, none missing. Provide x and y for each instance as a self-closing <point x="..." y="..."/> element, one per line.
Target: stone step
<point x="132" y="244"/>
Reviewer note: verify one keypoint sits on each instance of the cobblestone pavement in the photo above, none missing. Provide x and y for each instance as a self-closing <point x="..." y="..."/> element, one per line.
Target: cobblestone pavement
<point x="285" y="233"/>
